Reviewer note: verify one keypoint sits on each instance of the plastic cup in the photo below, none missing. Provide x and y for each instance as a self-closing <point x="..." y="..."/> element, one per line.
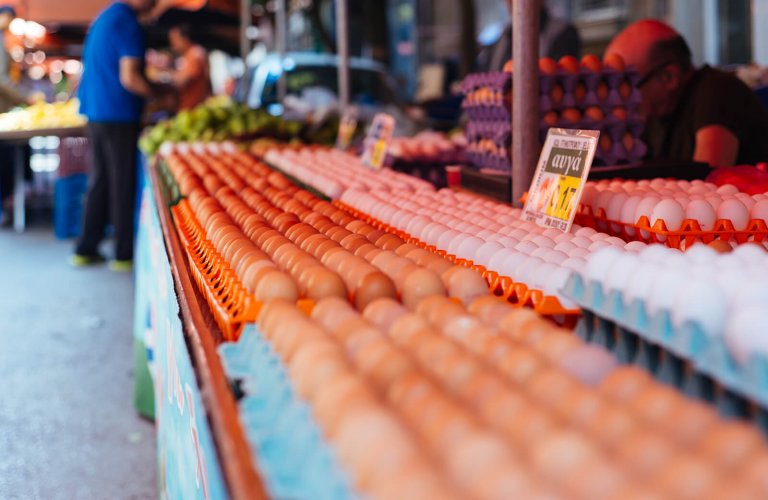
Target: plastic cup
<point x="453" y="175"/>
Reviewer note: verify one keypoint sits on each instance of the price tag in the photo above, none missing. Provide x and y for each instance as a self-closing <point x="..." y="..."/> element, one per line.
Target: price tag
<point x="377" y="141"/>
<point x="347" y="128"/>
<point x="560" y="176"/>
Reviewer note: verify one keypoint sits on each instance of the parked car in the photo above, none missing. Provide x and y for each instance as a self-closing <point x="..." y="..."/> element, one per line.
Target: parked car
<point x="312" y="84"/>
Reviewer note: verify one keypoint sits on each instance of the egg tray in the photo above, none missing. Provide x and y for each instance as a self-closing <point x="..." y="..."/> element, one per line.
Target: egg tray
<point x="231" y="304"/>
<point x="292" y="454"/>
<point x="685" y="357"/>
<point x="689" y="233"/>
<point x="516" y="293"/>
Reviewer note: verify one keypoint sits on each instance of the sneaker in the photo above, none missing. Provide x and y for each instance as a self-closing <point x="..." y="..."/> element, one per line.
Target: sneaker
<point x="77" y="260"/>
<point x="121" y="266"/>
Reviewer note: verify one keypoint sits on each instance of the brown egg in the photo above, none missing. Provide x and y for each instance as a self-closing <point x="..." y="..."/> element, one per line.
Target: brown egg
<point x="548" y="66"/>
<point x="368" y="251"/>
<point x="466" y="285"/>
<point x="324" y="247"/>
<point x="549" y="385"/>
<point x="615" y="62"/>
<point x="300" y="227"/>
<point x="353" y="241"/>
<point x="611" y="425"/>
<point x="354" y="225"/>
<point x="557" y="454"/>
<point x="323" y="283"/>
<point x="334" y="257"/>
<point x="625" y="383"/>
<point x="686" y="477"/>
<point x="720" y="246"/>
<point x="276" y="285"/>
<point x="656" y="403"/>
<point x="595" y="479"/>
<point x="331" y="312"/>
<point x="645" y="452"/>
<point x="241" y="254"/>
<point x="373" y="286"/>
<point x="437" y="309"/>
<point x="406" y="326"/>
<point x="274" y="242"/>
<point x="520" y="365"/>
<point x="437" y="264"/>
<point x="251" y="257"/>
<point x="254" y="272"/>
<point x="692" y="421"/>
<point x="511" y="324"/>
<point x="394" y="266"/>
<point x="381" y="259"/>
<point x="338" y="233"/>
<point x="419" y="284"/>
<point x="404" y="249"/>
<point x="592" y="63"/>
<point x="556" y="344"/>
<point x="732" y="444"/>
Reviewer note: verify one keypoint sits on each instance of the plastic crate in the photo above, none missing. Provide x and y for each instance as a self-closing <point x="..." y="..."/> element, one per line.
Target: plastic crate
<point x="68" y="203"/>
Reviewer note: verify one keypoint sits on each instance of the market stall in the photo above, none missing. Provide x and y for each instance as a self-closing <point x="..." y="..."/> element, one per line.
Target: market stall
<point x="356" y="332"/>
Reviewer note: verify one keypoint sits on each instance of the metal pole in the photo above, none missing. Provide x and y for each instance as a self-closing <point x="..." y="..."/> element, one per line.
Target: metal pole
<point x="281" y="42"/>
<point x="525" y="94"/>
<point x="245" y="23"/>
<point x="19" y="221"/>
<point x="342" y="51"/>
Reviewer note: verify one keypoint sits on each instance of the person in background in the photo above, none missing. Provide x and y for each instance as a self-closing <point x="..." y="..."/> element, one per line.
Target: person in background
<point x="692" y="114"/>
<point x="9" y="98"/>
<point x="192" y="78"/>
<point x="112" y="93"/>
<point x="557" y="38"/>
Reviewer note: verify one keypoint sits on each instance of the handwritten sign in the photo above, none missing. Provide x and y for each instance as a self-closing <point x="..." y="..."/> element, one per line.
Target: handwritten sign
<point x="562" y="170"/>
<point x="377" y="141"/>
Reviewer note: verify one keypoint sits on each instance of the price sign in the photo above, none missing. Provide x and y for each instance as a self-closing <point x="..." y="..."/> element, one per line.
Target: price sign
<point x="347" y="128"/>
<point x="377" y="141"/>
<point x="560" y="176"/>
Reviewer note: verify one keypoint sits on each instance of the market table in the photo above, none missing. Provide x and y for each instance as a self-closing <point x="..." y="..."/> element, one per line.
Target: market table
<point x="202" y="450"/>
<point x="18" y="139"/>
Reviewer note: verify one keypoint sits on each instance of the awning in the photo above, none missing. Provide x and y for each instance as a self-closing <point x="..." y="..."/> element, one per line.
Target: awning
<point x="62" y="12"/>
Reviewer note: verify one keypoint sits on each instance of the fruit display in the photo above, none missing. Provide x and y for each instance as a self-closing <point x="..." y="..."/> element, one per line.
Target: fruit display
<point x="219" y="119"/>
<point x="43" y="115"/>
<point x="591" y="94"/>
<point x="674" y="212"/>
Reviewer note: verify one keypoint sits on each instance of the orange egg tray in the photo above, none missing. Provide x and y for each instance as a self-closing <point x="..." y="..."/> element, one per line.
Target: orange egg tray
<point x="231" y="304"/>
<point x="689" y="233"/>
<point x="516" y="293"/>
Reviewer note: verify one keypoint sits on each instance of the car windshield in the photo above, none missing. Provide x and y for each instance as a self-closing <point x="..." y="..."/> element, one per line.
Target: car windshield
<point x="368" y="87"/>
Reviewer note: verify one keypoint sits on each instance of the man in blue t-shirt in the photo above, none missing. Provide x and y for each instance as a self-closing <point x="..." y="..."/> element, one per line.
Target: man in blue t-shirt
<point x="112" y="93"/>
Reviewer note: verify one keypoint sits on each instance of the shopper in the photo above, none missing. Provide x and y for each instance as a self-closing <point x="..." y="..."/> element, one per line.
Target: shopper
<point x="192" y="78"/>
<point x="692" y="114"/>
<point x="112" y="93"/>
<point x="9" y="98"/>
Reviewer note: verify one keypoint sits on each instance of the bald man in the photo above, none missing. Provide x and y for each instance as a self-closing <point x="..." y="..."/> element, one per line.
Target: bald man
<point x="692" y="114"/>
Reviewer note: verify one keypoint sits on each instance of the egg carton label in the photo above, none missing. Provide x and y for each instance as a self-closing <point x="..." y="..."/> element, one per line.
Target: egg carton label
<point x="562" y="170"/>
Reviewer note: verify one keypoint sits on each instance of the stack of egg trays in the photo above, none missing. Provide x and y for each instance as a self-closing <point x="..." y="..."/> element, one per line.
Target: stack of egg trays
<point x="610" y="125"/>
<point x="293" y="458"/>
<point x="486" y="118"/>
<point x="685" y="357"/>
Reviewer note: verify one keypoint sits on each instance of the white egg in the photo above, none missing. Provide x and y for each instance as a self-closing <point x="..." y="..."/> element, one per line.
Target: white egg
<point x="585" y="232"/>
<point x="667" y="287"/>
<point x="613" y="210"/>
<point x="735" y="211"/>
<point x="525" y="272"/>
<point x="540" y="276"/>
<point x="752" y="293"/>
<point x="555" y="256"/>
<point x="576" y="264"/>
<point x="579" y="252"/>
<point x="485" y="252"/>
<point x="565" y="246"/>
<point x="621" y="271"/>
<point x="581" y="241"/>
<point x="702" y="212"/>
<point x="526" y="247"/>
<point x="726" y="189"/>
<point x="639" y="285"/>
<point x="511" y="263"/>
<point x="669" y="211"/>
<point x="750" y="253"/>
<point x="496" y="261"/>
<point x="760" y="210"/>
<point x="627" y="215"/>
<point x="701" y="254"/>
<point x="634" y="246"/>
<point x="645" y="208"/>
<point x="655" y="254"/>
<point x="746" y="333"/>
<point x="701" y="303"/>
<point x="600" y="262"/>
<point x="597" y="245"/>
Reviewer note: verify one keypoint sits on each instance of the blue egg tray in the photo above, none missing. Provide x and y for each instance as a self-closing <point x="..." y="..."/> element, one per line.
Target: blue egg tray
<point x="293" y="458"/>
<point x="684" y="357"/>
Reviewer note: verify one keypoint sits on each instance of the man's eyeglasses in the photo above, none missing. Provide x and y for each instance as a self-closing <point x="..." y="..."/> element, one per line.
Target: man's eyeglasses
<point x="653" y="72"/>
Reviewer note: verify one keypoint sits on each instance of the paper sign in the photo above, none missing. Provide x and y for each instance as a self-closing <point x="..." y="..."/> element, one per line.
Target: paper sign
<point x="347" y="128"/>
<point x="377" y="141"/>
<point x="560" y="176"/>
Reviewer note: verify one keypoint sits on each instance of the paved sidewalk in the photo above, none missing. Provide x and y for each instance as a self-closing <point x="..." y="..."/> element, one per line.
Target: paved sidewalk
<point x="67" y="425"/>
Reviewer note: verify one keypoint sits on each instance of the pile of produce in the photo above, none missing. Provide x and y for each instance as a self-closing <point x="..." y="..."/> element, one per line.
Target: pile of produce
<point x="43" y="115"/>
<point x="219" y="119"/>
